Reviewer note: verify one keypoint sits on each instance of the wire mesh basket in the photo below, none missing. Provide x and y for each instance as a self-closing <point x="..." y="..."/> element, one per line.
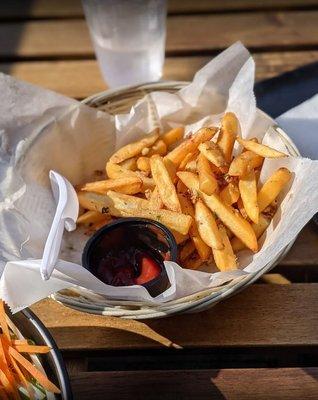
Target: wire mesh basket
<point x="119" y="101"/>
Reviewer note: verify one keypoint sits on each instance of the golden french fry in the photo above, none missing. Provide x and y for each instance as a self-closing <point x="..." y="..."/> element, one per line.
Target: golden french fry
<point x="145" y="151"/>
<point x="186" y="250"/>
<point x="190" y="145"/>
<point x="225" y="258"/>
<point x="155" y="201"/>
<point x="259" y="229"/>
<point x="214" y="154"/>
<point x="164" y="184"/>
<point x="207" y="227"/>
<point x="97" y="202"/>
<point x="191" y="166"/>
<point x="188" y="157"/>
<point x="91" y="217"/>
<point x="131" y="206"/>
<point x="260" y="149"/>
<point x="207" y="181"/>
<point x="232" y="219"/>
<point x="171" y="168"/>
<point x="114" y="171"/>
<point x="244" y="163"/>
<point x="181" y="187"/>
<point x="241" y="208"/>
<point x="172" y="136"/>
<point x="254" y="139"/>
<point x="143" y="163"/>
<point x="186" y="205"/>
<point x="179" y="238"/>
<point x="248" y="192"/>
<point x="272" y="187"/>
<point x="159" y="147"/>
<point x="147" y="183"/>
<point x="133" y="149"/>
<point x="128" y="185"/>
<point x="230" y="127"/>
<point x="192" y="262"/>
<point x="130" y="164"/>
<point x="230" y="194"/>
<point x="189" y="179"/>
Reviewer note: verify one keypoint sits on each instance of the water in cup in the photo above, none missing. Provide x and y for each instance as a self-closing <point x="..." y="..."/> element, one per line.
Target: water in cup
<point x="129" y="39"/>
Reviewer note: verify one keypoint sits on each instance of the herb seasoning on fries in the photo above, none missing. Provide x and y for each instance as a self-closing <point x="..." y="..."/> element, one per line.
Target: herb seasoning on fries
<point x="209" y="199"/>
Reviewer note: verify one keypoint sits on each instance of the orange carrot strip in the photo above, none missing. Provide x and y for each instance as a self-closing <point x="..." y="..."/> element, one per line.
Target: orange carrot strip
<point x="19" y="341"/>
<point x="41" y="378"/>
<point x="24" y="382"/>
<point x="33" y="349"/>
<point x="3" y="322"/>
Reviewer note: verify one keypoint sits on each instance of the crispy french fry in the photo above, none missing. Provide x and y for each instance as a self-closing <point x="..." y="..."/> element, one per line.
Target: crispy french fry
<point x="131" y="206"/>
<point x="97" y="202"/>
<point x="230" y="127"/>
<point x="248" y="192"/>
<point x="189" y="179"/>
<point x="192" y="262"/>
<point x="241" y="208"/>
<point x="130" y="164"/>
<point x="114" y="171"/>
<point x="164" y="184"/>
<point x="155" y="201"/>
<point x="90" y="217"/>
<point x="188" y="157"/>
<point x="147" y="183"/>
<point x="190" y="145"/>
<point x="214" y="154"/>
<point x="133" y="149"/>
<point x="186" y="205"/>
<point x="225" y="258"/>
<point x="207" y="227"/>
<point x="186" y="250"/>
<point x="128" y="185"/>
<point x="143" y="163"/>
<point x="181" y="187"/>
<point x="230" y="194"/>
<point x="179" y="238"/>
<point x="244" y="163"/>
<point x="191" y="166"/>
<point x="145" y="151"/>
<point x="171" y="168"/>
<point x="254" y="139"/>
<point x="207" y="181"/>
<point x="260" y="149"/>
<point x="159" y="147"/>
<point x="172" y="136"/>
<point x="272" y="187"/>
<point x="259" y="229"/>
<point x="232" y="219"/>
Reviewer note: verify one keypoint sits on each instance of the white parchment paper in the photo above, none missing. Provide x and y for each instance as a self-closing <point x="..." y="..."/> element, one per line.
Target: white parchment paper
<point x="41" y="130"/>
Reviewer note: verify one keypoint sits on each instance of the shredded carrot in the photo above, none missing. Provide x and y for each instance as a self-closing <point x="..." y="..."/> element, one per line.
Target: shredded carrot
<point x="3" y="322"/>
<point x="39" y="376"/>
<point x="24" y="382"/>
<point x="29" y="348"/>
<point x="19" y="341"/>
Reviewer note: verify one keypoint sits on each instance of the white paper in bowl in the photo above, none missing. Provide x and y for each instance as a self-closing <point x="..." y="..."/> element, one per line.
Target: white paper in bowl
<point x="41" y="130"/>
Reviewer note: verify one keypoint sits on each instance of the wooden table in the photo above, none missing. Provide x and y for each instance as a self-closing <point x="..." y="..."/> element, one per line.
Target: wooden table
<point x="263" y="342"/>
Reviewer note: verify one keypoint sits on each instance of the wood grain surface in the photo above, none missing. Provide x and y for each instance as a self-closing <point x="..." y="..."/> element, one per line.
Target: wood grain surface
<point x="261" y="315"/>
<point x="230" y="384"/>
<point x="186" y="34"/>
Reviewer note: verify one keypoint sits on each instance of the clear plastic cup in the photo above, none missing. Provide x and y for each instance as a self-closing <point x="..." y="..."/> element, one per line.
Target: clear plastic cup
<point x="129" y="38"/>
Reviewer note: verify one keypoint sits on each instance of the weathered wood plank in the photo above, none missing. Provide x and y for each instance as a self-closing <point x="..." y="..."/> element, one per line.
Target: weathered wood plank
<point x="73" y="8"/>
<point x="265" y="315"/>
<point x="185" y="34"/>
<point x="66" y="77"/>
<point x="229" y="384"/>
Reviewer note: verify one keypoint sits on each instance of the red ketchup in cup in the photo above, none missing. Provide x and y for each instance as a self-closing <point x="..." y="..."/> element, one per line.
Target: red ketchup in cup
<point x="131" y="251"/>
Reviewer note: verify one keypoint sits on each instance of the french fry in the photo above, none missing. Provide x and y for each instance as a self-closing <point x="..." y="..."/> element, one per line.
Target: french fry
<point x="230" y="194"/>
<point x="272" y="187"/>
<point x="159" y="147"/>
<point x="207" y="227"/>
<point x="248" y="192"/>
<point x="189" y="179"/>
<point x="254" y="139"/>
<point x="232" y="219"/>
<point x="172" y="136"/>
<point x="226" y="139"/>
<point x="155" y="201"/>
<point x="171" y="168"/>
<point x="244" y="163"/>
<point x="143" y="163"/>
<point x="164" y="184"/>
<point x="130" y="164"/>
<point x="190" y="145"/>
<point x="241" y="208"/>
<point x="131" y="206"/>
<point x="127" y="185"/>
<point x="207" y="181"/>
<point x="214" y="154"/>
<point x="145" y="151"/>
<point x="225" y="258"/>
<point x="114" y="171"/>
<point x="260" y="149"/>
<point x="186" y="250"/>
<point x="188" y="157"/>
<point x="181" y="187"/>
<point x="179" y="238"/>
<point x="133" y="149"/>
<point x="90" y="217"/>
<point x="259" y="229"/>
<point x="97" y="202"/>
<point x="191" y="166"/>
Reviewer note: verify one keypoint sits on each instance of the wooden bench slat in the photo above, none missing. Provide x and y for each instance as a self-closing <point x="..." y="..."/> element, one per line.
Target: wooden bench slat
<point x="264" y="315"/>
<point x="230" y="384"/>
<point x="185" y="34"/>
<point x="73" y="8"/>
<point x="66" y="77"/>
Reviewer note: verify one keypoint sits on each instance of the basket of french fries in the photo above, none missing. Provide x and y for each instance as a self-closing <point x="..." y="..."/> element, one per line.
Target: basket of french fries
<point x="198" y="159"/>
